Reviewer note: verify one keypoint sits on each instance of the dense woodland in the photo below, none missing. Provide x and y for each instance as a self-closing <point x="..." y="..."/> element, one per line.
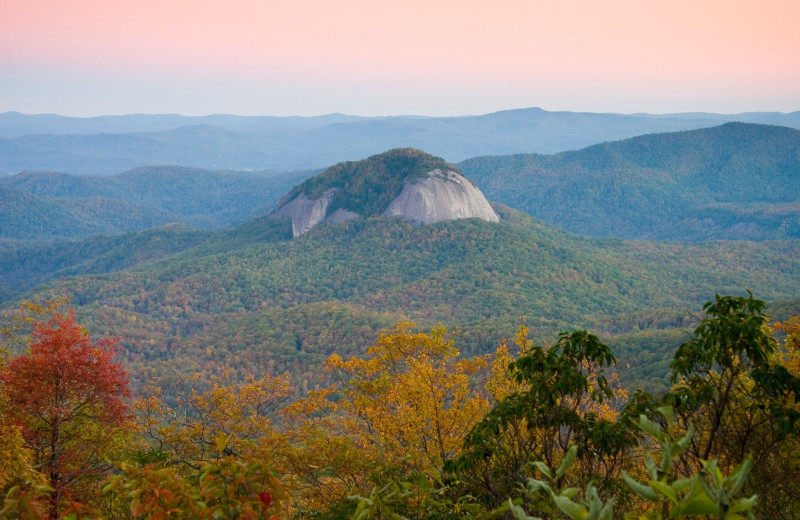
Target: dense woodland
<point x="248" y="298"/>
<point x="50" y="205"/>
<point x="378" y="369"/>
<point x="735" y="182"/>
<point x="414" y="429"/>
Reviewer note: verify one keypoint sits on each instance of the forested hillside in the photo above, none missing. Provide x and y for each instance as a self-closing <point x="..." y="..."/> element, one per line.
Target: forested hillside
<point x="373" y="368"/>
<point x="736" y="181"/>
<point x="412" y="429"/>
<point x="26" y="217"/>
<point x="24" y="266"/>
<point x="46" y="205"/>
<point x="250" y="299"/>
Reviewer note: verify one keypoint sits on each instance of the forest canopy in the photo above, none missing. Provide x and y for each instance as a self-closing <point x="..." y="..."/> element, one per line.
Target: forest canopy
<point x="413" y="429"/>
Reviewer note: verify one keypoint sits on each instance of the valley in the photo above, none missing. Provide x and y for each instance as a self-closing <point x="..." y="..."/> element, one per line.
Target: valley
<point x="403" y="320"/>
<point x="254" y="299"/>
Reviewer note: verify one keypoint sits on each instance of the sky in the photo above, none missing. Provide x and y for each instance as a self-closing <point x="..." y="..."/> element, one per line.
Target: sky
<point x="387" y="57"/>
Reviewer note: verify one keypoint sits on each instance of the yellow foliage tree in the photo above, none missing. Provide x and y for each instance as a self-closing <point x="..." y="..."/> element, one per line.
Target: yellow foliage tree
<point x="407" y="406"/>
<point x="241" y="412"/>
<point x="791" y="343"/>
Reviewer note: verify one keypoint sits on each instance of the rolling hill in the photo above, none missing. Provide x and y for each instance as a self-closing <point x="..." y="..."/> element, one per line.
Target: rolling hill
<point x="256" y="300"/>
<point x="735" y="181"/>
<point x="47" y="205"/>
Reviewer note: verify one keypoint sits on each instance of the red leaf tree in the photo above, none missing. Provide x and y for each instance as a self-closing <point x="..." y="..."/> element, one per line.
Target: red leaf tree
<point x="68" y="396"/>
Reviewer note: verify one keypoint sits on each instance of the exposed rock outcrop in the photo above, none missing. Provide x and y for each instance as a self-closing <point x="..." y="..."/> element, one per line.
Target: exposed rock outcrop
<point x="443" y="195"/>
<point x="305" y="213"/>
<point x="403" y="183"/>
<point x="341" y="215"/>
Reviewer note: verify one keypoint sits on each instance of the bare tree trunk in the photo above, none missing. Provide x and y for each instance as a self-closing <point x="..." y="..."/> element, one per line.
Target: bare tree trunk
<point x="55" y="473"/>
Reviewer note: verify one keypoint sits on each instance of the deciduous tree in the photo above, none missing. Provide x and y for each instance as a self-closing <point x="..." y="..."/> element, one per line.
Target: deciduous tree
<point x="406" y="407"/>
<point x="67" y="396"/>
<point x="186" y="432"/>
<point x="558" y="401"/>
<point x="742" y="401"/>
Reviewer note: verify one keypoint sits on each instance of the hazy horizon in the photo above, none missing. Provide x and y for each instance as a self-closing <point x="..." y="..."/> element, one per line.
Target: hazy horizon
<point x="358" y="57"/>
<point x="169" y="114"/>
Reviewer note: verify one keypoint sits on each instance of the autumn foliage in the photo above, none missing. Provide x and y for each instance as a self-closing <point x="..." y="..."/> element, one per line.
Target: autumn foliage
<point x="411" y="430"/>
<point x="67" y="397"/>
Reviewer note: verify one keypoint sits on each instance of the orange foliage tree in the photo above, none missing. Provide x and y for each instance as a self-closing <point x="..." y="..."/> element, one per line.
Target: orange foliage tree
<point x="210" y="454"/>
<point x="67" y="396"/>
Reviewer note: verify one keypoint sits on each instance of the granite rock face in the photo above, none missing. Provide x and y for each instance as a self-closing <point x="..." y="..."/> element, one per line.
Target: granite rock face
<point x="305" y="213"/>
<point x="442" y="196"/>
<point x="341" y="215"/>
<point x="437" y="196"/>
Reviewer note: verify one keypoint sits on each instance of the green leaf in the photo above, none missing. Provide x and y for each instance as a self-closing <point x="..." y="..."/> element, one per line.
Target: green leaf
<point x="744" y="504"/>
<point x="640" y="489"/>
<point x="520" y="513"/>
<point x="652" y="469"/>
<point x="735" y="481"/>
<point x="700" y="499"/>
<point x="544" y="468"/>
<point x="700" y="505"/>
<point x="570" y="508"/>
<point x="535" y="486"/>
<point x="664" y="489"/>
<point x="681" y="484"/>
<point x="685" y="440"/>
<point x="667" y="412"/>
<point x="651" y="428"/>
<point x="569" y="460"/>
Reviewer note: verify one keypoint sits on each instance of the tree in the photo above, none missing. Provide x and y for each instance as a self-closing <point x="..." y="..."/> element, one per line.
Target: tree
<point x="226" y="488"/>
<point x="708" y="493"/>
<point x="186" y="433"/>
<point x="406" y="409"/>
<point x="743" y="402"/>
<point x="790" y="357"/>
<point x="559" y="401"/>
<point x="68" y="397"/>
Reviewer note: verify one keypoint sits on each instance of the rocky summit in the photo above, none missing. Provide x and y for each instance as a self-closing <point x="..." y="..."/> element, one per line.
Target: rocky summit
<point x="403" y="183"/>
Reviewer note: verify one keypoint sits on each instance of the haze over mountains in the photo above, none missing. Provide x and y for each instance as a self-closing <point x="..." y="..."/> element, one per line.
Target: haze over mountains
<point x="734" y="181"/>
<point x="113" y="144"/>
<point x="57" y="205"/>
<point x="229" y="286"/>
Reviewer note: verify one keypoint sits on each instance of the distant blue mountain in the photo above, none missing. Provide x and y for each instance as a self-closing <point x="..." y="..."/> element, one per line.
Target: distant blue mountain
<point x="111" y="144"/>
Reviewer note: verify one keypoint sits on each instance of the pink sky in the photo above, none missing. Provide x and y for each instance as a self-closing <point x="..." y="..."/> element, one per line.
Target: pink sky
<point x="382" y="57"/>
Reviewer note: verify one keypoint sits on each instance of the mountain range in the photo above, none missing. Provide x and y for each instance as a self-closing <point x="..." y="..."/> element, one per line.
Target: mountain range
<point x="255" y="299"/>
<point x="733" y="181"/>
<point x="112" y="144"/>
<point x="737" y="181"/>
